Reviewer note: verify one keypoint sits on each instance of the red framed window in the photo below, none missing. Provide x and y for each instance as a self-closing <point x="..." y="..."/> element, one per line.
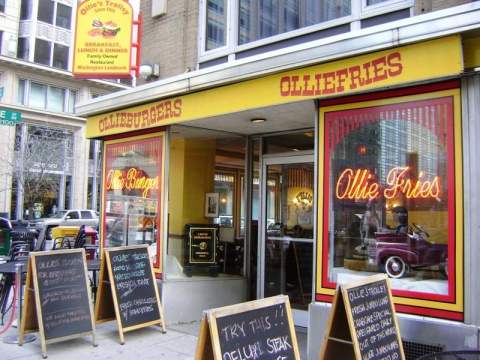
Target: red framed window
<point x="389" y="197"/>
<point x="133" y="192"/>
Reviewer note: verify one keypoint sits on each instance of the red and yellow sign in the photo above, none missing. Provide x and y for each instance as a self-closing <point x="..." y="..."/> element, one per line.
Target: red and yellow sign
<point x="103" y="39"/>
<point x="416" y="62"/>
<point x="360" y="184"/>
<point x="131" y="179"/>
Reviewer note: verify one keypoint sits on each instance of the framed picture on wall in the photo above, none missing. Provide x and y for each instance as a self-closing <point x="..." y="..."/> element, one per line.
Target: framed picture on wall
<point x="211" y="205"/>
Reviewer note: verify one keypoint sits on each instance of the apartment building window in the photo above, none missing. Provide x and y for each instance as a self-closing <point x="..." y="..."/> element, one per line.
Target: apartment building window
<point x="60" y="56"/>
<point x="64" y="15"/>
<point x="42" y="96"/>
<point x="26" y="9"/>
<point x="264" y="18"/>
<point x="45" y="11"/>
<point x="44" y="55"/>
<point x="42" y="52"/>
<point x="23" y="48"/>
<point x="256" y="23"/>
<point x="50" y="11"/>
<point x="72" y="98"/>
<point x="56" y="99"/>
<point x="216" y="24"/>
<point x="2" y="6"/>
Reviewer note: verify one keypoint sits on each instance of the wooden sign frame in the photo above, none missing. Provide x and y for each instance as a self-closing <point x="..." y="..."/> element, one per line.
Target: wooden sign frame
<point x="32" y="320"/>
<point x="107" y="300"/>
<point x="208" y="345"/>
<point x="341" y="336"/>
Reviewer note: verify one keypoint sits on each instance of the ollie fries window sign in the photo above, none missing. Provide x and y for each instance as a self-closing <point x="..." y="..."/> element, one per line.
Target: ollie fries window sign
<point x="103" y="39"/>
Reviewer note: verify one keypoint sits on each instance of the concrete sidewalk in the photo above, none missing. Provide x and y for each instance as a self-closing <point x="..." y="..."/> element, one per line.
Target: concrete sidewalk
<point x="149" y="343"/>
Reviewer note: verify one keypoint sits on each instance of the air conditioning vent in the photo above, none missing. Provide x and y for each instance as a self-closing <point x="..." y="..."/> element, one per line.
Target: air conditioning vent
<point x="414" y="350"/>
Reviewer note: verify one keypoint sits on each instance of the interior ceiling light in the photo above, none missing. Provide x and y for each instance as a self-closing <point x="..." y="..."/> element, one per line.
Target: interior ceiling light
<point x="258" y="120"/>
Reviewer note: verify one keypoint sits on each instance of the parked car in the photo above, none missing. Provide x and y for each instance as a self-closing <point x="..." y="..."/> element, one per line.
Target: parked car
<point x="73" y="217"/>
<point x="397" y="253"/>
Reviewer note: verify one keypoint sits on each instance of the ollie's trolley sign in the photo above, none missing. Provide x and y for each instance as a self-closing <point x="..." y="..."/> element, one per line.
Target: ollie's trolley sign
<point x="103" y="40"/>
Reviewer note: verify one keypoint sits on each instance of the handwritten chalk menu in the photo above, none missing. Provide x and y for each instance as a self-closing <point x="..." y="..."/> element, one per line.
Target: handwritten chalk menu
<point x="133" y="278"/>
<point x="61" y="298"/>
<point x="133" y="293"/>
<point x="261" y="329"/>
<point x="363" y="315"/>
<point x="374" y="322"/>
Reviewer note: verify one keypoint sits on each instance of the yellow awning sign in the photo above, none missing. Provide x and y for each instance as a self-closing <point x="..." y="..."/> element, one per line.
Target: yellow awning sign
<point x="401" y="65"/>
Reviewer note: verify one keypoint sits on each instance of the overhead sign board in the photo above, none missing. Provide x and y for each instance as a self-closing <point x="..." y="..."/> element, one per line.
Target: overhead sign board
<point x="397" y="66"/>
<point x="8" y="117"/>
<point x="103" y="39"/>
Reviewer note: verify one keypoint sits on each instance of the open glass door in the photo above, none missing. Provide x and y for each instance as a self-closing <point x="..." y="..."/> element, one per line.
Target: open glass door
<point x="288" y="228"/>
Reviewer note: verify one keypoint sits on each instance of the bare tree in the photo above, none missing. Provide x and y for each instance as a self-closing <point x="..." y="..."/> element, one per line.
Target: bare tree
<point x="44" y="157"/>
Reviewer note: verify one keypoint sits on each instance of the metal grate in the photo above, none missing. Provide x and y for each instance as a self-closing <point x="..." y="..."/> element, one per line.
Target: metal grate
<point x="414" y="350"/>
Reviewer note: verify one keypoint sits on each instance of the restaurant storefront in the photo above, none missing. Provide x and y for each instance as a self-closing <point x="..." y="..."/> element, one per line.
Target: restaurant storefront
<point x="297" y="181"/>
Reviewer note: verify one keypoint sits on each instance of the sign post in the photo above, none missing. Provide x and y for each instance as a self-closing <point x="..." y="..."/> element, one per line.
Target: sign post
<point x="362" y="323"/>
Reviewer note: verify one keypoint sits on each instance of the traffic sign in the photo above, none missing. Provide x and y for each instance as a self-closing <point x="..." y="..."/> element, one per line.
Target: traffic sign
<point x="8" y="117"/>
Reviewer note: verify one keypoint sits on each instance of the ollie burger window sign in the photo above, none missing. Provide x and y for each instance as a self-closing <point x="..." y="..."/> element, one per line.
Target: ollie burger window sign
<point x="103" y="39"/>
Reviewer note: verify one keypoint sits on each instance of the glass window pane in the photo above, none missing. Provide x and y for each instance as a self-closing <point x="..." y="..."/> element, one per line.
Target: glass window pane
<point x="21" y="91"/>
<point x="71" y="101"/>
<point x="23" y="48"/>
<point x="2" y="6"/>
<point x="86" y="215"/>
<point x="25" y="9"/>
<point x="37" y="96"/>
<point x="216" y="24"/>
<point x="64" y="14"/>
<point x="56" y="99"/>
<point x="45" y="11"/>
<point x="389" y="193"/>
<point x="373" y="2"/>
<point x="131" y="206"/>
<point x="72" y="215"/>
<point x="42" y="52"/>
<point x="60" y="56"/>
<point x="259" y="19"/>
<point x="224" y="185"/>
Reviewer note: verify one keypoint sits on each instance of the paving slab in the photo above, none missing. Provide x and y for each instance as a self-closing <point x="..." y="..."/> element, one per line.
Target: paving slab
<point x="148" y="343"/>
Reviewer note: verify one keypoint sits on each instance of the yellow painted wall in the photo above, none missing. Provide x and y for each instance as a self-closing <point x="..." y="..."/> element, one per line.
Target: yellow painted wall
<point x="199" y="174"/>
<point x="434" y="222"/>
<point x="192" y="167"/>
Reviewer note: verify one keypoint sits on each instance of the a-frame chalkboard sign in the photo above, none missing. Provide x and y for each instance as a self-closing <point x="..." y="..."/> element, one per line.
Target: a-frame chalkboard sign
<point x="261" y="329"/>
<point x="57" y="300"/>
<point x="128" y="290"/>
<point x="362" y="322"/>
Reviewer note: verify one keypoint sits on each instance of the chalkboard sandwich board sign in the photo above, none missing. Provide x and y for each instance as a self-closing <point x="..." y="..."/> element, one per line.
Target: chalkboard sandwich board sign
<point x="57" y="300"/>
<point x="128" y="290"/>
<point x="362" y="323"/>
<point x="261" y="329"/>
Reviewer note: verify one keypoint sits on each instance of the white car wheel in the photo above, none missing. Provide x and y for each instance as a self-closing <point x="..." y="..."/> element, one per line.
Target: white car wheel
<point x="395" y="267"/>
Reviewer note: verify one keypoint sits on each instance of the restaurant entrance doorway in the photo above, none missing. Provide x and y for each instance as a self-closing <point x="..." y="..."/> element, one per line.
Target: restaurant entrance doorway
<point x="287" y="244"/>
